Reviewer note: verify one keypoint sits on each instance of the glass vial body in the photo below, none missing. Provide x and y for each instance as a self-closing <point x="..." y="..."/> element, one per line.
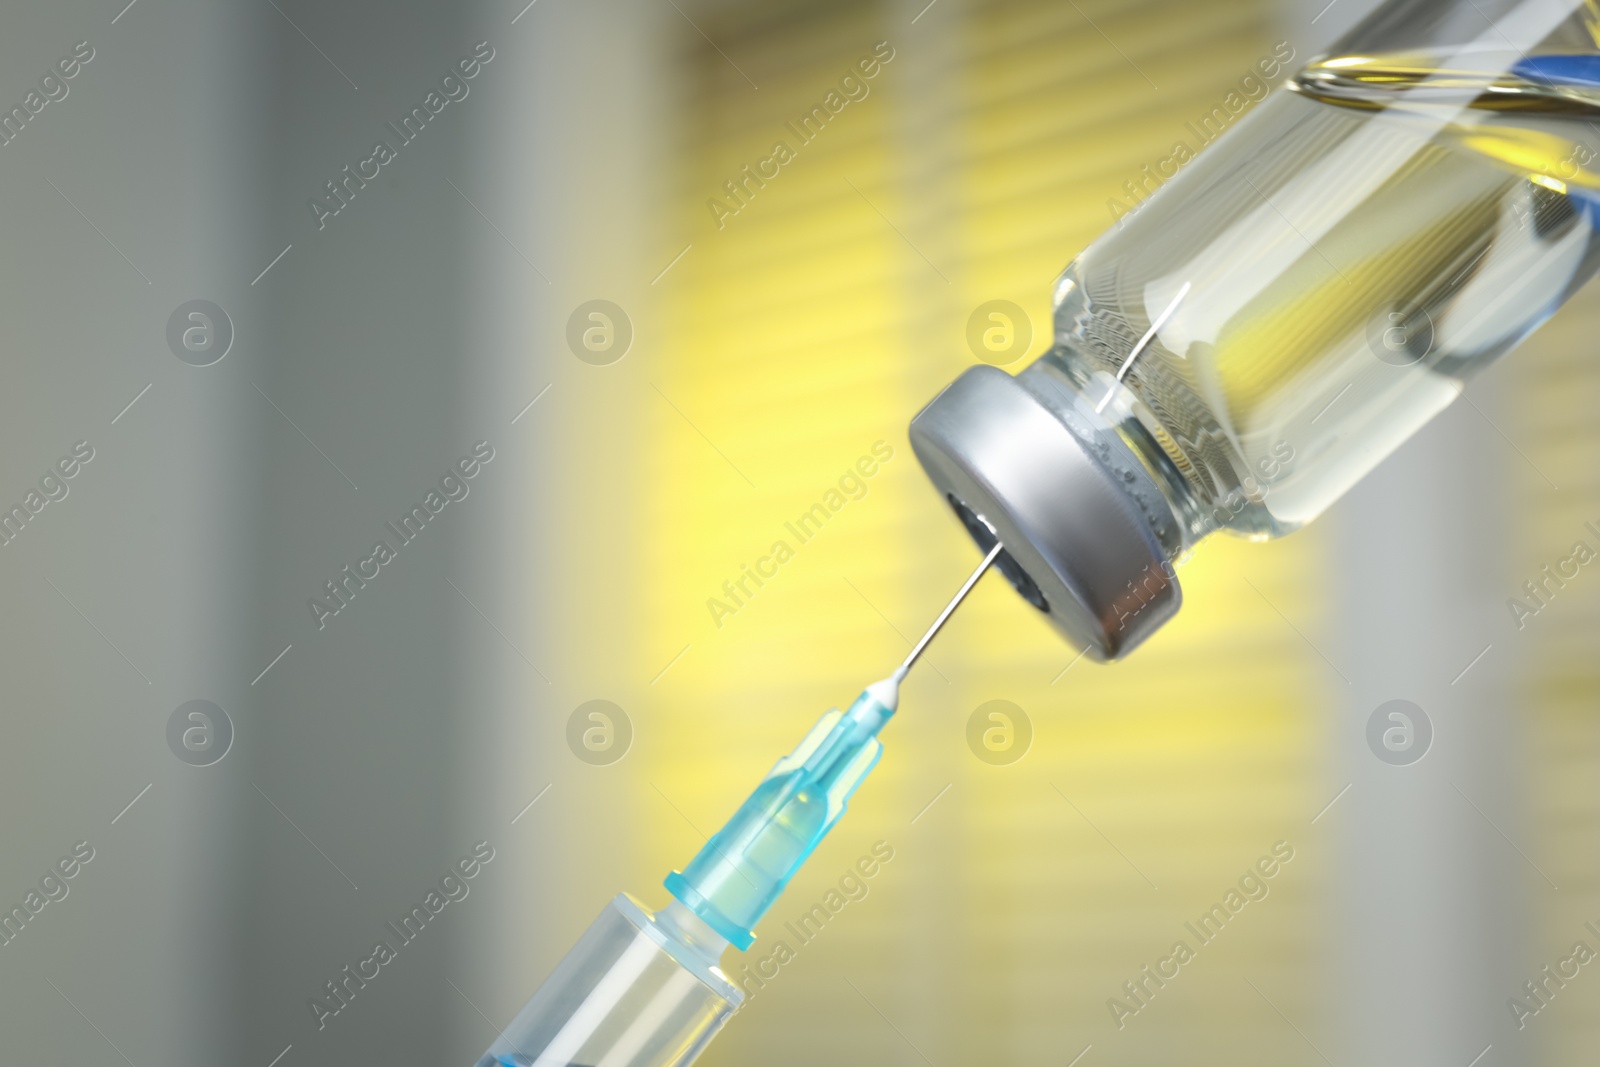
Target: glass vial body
<point x="1348" y="254"/>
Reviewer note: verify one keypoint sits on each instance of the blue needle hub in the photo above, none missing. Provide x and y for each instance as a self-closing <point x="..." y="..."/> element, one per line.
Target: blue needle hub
<point x="745" y="866"/>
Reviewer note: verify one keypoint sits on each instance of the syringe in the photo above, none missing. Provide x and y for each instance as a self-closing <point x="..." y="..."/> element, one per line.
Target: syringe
<point x="643" y="989"/>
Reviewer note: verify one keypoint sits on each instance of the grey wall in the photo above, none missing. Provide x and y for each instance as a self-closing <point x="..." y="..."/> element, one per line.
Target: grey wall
<point x="135" y="592"/>
<point x="1427" y="893"/>
<point x="349" y="809"/>
<point x="371" y="350"/>
<point x="179" y="565"/>
<point x="1429" y="902"/>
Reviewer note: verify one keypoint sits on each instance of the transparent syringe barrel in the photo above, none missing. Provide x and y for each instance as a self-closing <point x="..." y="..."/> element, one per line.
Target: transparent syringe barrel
<point x="637" y="990"/>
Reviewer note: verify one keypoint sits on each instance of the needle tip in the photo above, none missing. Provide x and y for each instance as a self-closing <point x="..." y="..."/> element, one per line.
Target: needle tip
<point x="887" y="691"/>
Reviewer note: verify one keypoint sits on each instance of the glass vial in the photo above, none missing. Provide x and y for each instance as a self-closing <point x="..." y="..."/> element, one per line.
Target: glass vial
<point x="1280" y="312"/>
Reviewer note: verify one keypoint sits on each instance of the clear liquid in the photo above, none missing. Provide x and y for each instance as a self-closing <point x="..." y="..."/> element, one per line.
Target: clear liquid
<point x="1355" y="248"/>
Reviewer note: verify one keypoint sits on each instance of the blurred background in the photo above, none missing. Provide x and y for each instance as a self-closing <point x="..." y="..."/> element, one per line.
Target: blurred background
<point x="362" y="335"/>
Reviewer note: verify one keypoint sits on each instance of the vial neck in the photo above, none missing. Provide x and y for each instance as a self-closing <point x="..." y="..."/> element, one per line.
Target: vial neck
<point x="1113" y="413"/>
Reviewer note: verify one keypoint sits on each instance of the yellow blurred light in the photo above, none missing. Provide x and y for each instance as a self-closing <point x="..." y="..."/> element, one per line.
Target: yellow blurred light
<point x="1549" y="183"/>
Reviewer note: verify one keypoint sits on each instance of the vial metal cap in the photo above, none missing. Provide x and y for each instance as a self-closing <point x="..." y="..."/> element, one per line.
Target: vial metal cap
<point x="1064" y="496"/>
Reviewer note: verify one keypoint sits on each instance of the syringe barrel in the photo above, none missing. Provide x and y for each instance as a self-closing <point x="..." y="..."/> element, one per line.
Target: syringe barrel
<point x="637" y="990"/>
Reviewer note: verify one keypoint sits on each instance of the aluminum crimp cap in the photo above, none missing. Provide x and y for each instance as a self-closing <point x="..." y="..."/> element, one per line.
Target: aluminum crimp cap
<point x="1025" y="461"/>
